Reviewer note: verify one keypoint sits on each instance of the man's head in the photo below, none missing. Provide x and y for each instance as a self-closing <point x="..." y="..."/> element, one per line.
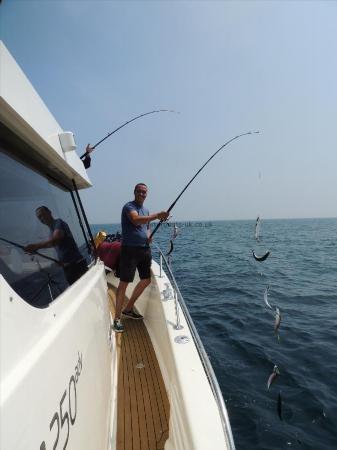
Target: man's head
<point x="44" y="215"/>
<point x="140" y="192"/>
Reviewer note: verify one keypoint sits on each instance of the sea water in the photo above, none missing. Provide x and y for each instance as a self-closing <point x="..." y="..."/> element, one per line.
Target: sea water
<point x="223" y="287"/>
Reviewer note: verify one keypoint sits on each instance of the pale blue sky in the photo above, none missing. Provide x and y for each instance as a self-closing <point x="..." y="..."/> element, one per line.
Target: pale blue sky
<point x="228" y="67"/>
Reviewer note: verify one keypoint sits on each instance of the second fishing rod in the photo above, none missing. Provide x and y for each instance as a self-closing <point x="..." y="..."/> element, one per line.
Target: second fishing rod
<point x="123" y="125"/>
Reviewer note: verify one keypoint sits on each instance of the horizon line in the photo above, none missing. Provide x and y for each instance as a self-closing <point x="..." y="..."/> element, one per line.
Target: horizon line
<point x="231" y="220"/>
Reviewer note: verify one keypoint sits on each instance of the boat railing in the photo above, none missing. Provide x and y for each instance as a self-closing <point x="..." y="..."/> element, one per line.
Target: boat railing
<point x="179" y="302"/>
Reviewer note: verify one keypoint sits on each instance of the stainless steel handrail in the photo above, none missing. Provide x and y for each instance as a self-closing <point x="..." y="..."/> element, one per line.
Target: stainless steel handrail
<point x="203" y="357"/>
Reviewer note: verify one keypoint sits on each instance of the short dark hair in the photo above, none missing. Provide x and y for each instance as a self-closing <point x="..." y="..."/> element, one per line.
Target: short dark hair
<point x="139" y="184"/>
<point x="43" y="207"/>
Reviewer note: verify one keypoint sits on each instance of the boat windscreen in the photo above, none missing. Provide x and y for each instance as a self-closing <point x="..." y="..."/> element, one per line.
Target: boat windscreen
<point x="43" y="247"/>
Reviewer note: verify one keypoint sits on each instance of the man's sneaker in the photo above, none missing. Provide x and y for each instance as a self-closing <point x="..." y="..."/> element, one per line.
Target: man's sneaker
<point x="118" y="326"/>
<point x="132" y="314"/>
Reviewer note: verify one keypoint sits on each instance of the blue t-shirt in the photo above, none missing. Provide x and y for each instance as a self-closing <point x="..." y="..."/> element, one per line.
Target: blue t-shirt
<point x="135" y="235"/>
<point x="67" y="250"/>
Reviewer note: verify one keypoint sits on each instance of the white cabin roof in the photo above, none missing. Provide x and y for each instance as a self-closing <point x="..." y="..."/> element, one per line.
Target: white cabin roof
<point x="24" y="113"/>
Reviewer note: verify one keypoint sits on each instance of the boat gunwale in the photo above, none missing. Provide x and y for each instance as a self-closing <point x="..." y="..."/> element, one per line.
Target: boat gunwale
<point x="203" y="358"/>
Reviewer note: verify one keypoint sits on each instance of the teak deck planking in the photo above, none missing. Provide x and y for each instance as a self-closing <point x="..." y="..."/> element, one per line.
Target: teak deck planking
<point x="142" y="405"/>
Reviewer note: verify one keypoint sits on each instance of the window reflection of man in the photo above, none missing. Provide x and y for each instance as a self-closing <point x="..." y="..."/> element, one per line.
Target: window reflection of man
<point x="62" y="240"/>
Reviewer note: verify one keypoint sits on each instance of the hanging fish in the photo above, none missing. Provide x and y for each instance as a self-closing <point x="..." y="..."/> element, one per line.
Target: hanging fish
<point x="279" y="405"/>
<point x="175" y="231"/>
<point x="265" y="296"/>
<point x="257" y="229"/>
<point x="277" y="321"/>
<point x="261" y="258"/>
<point x="273" y="376"/>
<point x="171" y="248"/>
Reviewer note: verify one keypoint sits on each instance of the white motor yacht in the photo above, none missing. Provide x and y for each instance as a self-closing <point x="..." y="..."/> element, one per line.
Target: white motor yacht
<point x="67" y="380"/>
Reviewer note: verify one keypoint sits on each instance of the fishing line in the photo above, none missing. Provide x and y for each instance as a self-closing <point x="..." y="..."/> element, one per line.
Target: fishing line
<point x="126" y="123"/>
<point x="201" y="168"/>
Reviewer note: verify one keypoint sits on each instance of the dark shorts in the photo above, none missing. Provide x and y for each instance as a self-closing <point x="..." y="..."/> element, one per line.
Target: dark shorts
<point x="133" y="258"/>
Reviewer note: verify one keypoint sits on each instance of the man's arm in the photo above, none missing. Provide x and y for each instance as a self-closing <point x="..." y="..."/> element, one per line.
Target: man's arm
<point x="55" y="239"/>
<point x="136" y="219"/>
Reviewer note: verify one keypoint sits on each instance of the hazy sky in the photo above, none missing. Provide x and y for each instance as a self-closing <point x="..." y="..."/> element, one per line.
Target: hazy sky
<point x="227" y="67"/>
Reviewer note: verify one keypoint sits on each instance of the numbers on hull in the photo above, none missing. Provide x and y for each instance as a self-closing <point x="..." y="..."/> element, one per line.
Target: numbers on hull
<point x="66" y="412"/>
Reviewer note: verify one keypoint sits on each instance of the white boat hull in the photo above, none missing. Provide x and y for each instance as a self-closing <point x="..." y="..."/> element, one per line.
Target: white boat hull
<point x="57" y="368"/>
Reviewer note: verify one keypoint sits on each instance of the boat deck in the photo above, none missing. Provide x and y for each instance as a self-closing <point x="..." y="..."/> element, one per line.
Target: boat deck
<point x="142" y="405"/>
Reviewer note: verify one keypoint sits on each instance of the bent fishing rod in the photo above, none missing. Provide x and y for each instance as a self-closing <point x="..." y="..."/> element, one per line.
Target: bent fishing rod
<point x="201" y="168"/>
<point x="124" y="124"/>
<point x="15" y="244"/>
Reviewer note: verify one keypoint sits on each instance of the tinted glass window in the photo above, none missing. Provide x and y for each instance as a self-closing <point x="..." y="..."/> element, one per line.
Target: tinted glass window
<point x="36" y="279"/>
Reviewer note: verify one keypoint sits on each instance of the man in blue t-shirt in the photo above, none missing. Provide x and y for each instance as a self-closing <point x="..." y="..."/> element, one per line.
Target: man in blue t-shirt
<point x="135" y="252"/>
<point x="61" y="238"/>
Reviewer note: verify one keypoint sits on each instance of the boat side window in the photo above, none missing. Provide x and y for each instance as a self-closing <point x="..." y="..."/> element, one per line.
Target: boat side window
<point x="41" y="276"/>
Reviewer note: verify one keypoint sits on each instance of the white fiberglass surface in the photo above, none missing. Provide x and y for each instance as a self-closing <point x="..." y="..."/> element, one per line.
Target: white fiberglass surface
<point x="56" y="373"/>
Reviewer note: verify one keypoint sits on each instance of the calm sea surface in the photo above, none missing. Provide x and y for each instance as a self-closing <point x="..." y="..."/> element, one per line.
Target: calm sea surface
<point x="223" y="287"/>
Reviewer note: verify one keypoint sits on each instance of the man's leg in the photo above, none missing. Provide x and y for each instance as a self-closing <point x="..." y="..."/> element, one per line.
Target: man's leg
<point x="138" y="290"/>
<point x="127" y="266"/>
<point x="120" y="296"/>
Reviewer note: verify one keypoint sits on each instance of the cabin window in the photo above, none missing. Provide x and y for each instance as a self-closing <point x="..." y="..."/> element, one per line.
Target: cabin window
<point x="37" y="279"/>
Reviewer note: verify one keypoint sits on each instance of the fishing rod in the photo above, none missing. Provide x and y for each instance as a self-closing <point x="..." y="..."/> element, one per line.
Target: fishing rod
<point x="36" y="253"/>
<point x="181" y="193"/>
<point x="124" y="124"/>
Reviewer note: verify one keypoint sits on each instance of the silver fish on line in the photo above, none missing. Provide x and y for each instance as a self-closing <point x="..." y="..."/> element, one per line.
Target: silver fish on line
<point x="257" y="229"/>
<point x="175" y="231"/>
<point x="272" y="377"/>
<point x="265" y="296"/>
<point x="261" y="258"/>
<point x="277" y="320"/>
<point x="171" y="248"/>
